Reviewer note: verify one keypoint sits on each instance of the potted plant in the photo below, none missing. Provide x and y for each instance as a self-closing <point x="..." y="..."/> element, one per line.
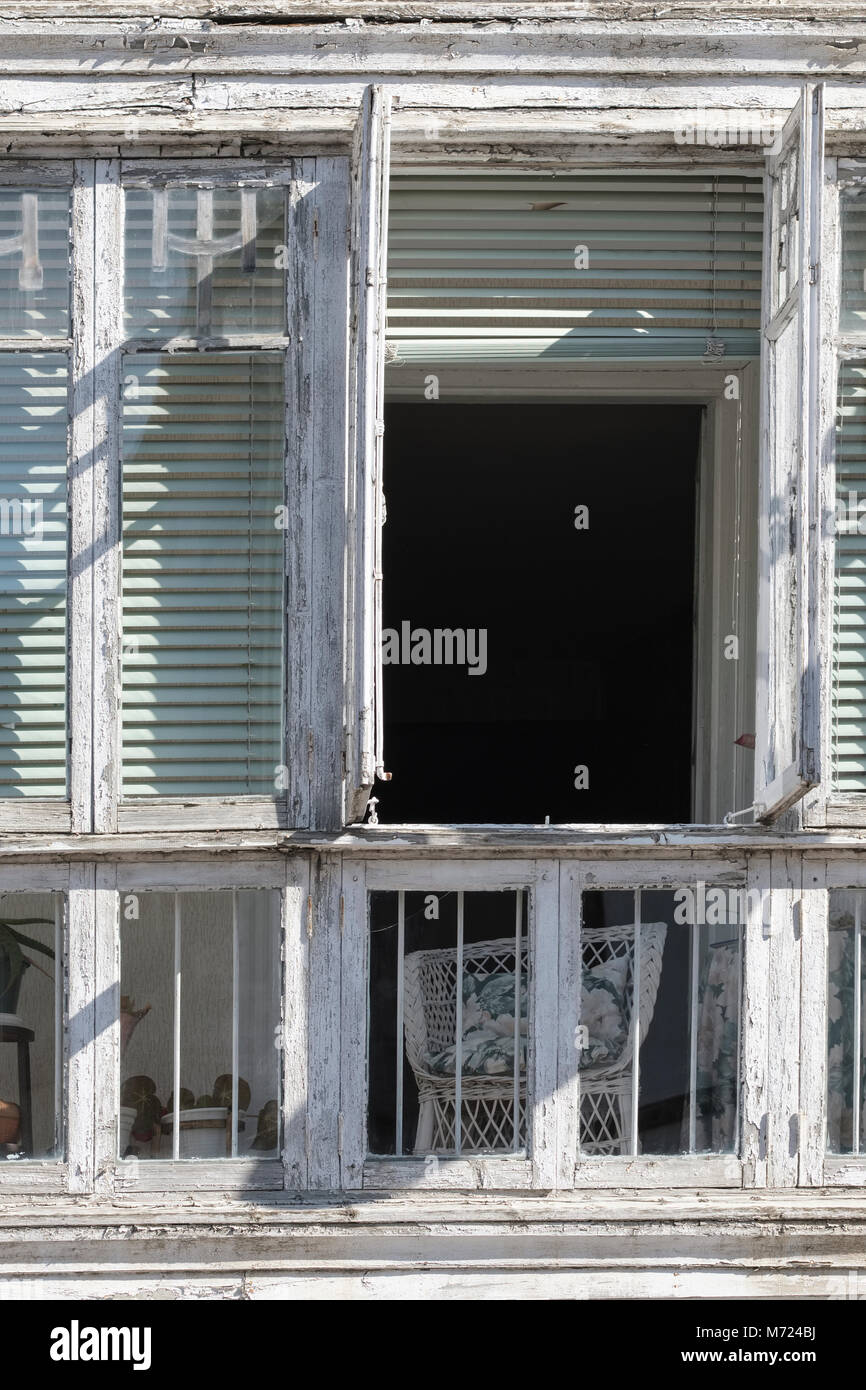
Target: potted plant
<point x="13" y="961"/>
<point x="205" y="1122"/>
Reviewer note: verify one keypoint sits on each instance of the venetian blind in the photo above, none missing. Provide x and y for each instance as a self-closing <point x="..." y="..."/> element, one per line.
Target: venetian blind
<point x="848" y="705"/>
<point x="203" y="573"/>
<point x="33" y="454"/>
<point x="512" y="267"/>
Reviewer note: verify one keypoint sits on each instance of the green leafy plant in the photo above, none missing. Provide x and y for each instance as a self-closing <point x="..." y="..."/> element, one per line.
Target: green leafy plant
<point x="13" y="961"/>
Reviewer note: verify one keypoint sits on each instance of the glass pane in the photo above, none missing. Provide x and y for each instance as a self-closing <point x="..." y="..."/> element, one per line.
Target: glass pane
<point x="219" y="954"/>
<point x="203" y="574"/>
<point x="34" y="263"/>
<point x="852" y="215"/>
<point x="205" y="261"/>
<point x="848" y="724"/>
<point x="846" y="1042"/>
<point x="447" y="1056"/>
<point x="33" y="452"/>
<point x="31" y="994"/>
<point x="658" y="1041"/>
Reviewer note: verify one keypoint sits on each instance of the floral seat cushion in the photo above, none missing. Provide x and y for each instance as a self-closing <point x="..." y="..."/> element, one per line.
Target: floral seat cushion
<point x="489" y="1036"/>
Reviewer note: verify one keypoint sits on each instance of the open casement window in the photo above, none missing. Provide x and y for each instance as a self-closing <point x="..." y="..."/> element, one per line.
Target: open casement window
<point x="787" y="714"/>
<point x="371" y="159"/>
<point x="842" y="799"/>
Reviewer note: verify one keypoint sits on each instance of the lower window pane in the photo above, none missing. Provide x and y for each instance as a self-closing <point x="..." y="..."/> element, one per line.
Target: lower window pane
<point x="658" y="1039"/>
<point x="846" y="1051"/>
<point x="199" y="1024"/>
<point x="447" y="1047"/>
<point x="31" y="998"/>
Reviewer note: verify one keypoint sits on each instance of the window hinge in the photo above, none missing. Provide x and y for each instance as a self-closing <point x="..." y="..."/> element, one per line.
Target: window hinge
<point x="813" y="273"/>
<point x="342" y="912"/>
<point x="309" y="916"/>
<point x="310" y="747"/>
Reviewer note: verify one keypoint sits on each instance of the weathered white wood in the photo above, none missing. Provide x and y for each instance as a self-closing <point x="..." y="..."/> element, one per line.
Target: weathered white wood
<point x="669" y="1171"/>
<point x="787" y="747"/>
<point x="42" y="877"/>
<point x="105" y="474"/>
<point x="448" y="877"/>
<point x="328" y="272"/>
<point x="217" y="813"/>
<point x="106" y="1022"/>
<point x="754" y="1025"/>
<point x="558" y="996"/>
<point x="79" y="638"/>
<point x="221" y="1175"/>
<point x="300" y="277"/>
<point x="295" y="1024"/>
<point x="324" y="1033"/>
<point x="36" y="815"/>
<point x="355" y="988"/>
<point x="813" y="1022"/>
<point x="493" y="1174"/>
<point x="783" y="1061"/>
<point x="240" y="871"/>
<point x="370" y="164"/>
<point x="846" y="1170"/>
<point x="81" y="983"/>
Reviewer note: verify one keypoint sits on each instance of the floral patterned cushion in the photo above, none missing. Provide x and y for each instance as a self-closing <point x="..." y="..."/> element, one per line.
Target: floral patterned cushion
<point x="488" y="1022"/>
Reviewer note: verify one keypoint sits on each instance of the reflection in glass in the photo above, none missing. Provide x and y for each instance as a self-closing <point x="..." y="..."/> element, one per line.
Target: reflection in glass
<point x="199" y="1024"/>
<point x="203" y="574"/>
<point x="31" y="996"/>
<point x="33" y="454"/>
<point x="449" y="1022"/>
<point x="658" y="1041"/>
<point x="34" y="263"/>
<point x="846" y="1039"/>
<point x="203" y="262"/>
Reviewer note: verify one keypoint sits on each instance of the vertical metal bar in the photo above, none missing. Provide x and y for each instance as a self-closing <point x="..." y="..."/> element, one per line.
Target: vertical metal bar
<point x="858" y="1013"/>
<point x="693" y="1035"/>
<point x="401" y="956"/>
<point x="458" y="1013"/>
<point x="741" y="931"/>
<point x="175" y="1124"/>
<point x="58" y="1020"/>
<point x="235" y="1010"/>
<point x="635" y="1009"/>
<point x="518" y="923"/>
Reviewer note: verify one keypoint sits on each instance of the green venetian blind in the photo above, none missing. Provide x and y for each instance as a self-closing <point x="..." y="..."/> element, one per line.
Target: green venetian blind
<point x="33" y="454"/>
<point x="848" y="714"/>
<point x="481" y="268"/>
<point x="203" y="573"/>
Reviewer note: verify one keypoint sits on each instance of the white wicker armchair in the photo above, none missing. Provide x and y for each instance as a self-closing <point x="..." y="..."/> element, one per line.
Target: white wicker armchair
<point x="488" y="1102"/>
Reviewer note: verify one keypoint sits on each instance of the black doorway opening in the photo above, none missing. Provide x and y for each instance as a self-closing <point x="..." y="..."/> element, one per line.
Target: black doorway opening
<point x="539" y="658"/>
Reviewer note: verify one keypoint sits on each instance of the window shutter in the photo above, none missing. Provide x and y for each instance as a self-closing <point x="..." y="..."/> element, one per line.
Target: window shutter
<point x="848" y="702"/>
<point x="33" y="453"/>
<point x="516" y="267"/>
<point x="369" y="243"/>
<point x="203" y="574"/>
<point x="787" y="738"/>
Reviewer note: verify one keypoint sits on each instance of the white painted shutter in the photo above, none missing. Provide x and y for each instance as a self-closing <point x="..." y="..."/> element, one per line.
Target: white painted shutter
<point x="787" y="706"/>
<point x="848" y="700"/>
<point x="203" y="574"/>
<point x="369" y="246"/>
<point x="33" y="454"/>
<point x="497" y="267"/>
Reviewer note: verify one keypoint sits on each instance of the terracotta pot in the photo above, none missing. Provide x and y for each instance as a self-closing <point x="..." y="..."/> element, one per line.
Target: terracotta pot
<point x="10" y="1122"/>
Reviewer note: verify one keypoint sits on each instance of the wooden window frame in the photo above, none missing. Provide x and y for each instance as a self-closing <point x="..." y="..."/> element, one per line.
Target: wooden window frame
<point x="723" y="690"/>
<point x="552" y="1161"/>
<point x="73" y="1171"/>
<point x="826" y="808"/>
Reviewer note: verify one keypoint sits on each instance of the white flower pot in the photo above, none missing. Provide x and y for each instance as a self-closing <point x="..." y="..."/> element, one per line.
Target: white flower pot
<point x="199" y="1141"/>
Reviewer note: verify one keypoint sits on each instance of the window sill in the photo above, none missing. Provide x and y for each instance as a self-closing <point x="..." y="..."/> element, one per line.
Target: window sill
<point x="500" y="1172"/>
<point x="201" y="1175"/>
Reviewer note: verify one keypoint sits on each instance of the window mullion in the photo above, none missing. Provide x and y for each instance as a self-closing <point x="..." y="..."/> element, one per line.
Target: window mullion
<point x="105" y="470"/>
<point x="79" y="685"/>
<point x="552" y="1087"/>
